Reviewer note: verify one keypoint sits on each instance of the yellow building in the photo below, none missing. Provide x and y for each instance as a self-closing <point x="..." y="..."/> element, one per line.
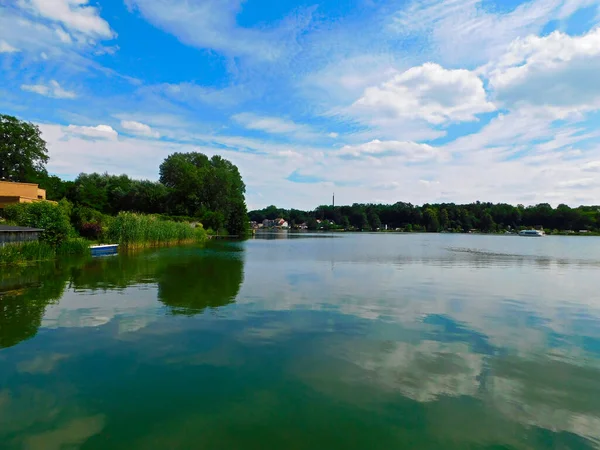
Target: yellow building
<point x="11" y="193"/>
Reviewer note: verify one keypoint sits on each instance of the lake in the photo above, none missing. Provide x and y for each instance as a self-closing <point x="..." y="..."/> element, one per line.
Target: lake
<point x="346" y="341"/>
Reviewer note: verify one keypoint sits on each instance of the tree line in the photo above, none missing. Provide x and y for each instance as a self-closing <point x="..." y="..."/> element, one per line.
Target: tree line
<point x="191" y="187"/>
<point x="485" y="217"/>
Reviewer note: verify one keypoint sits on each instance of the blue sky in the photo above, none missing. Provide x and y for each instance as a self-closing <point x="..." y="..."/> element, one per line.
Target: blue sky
<point x="377" y="100"/>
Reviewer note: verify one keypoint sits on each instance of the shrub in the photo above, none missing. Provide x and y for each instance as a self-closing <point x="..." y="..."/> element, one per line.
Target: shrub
<point x="91" y="230"/>
<point x="52" y="218"/>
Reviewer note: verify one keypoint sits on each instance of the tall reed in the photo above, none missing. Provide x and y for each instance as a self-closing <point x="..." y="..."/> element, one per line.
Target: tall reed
<point x="26" y="252"/>
<point x="139" y="230"/>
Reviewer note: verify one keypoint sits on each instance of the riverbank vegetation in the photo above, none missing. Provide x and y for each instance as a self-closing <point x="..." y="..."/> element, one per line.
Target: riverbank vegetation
<point x="484" y="217"/>
<point x="194" y="193"/>
<point x="137" y="230"/>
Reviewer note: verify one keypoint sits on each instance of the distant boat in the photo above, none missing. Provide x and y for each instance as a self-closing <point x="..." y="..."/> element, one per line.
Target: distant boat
<point x="532" y="233"/>
<point x="102" y="250"/>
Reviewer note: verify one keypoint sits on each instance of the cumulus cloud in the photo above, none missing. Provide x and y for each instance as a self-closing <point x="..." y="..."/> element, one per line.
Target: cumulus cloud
<point x="97" y="132"/>
<point x="52" y="90"/>
<point x="407" y="151"/>
<point x="556" y="71"/>
<point x="5" y="47"/>
<point x="76" y="15"/>
<point x="428" y="92"/>
<point x="139" y="128"/>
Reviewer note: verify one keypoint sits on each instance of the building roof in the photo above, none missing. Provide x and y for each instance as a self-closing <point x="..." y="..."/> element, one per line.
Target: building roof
<point x="19" y="182"/>
<point x="11" y="229"/>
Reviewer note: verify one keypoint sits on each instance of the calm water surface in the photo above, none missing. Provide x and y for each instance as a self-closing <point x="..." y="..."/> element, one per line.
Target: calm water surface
<point x="349" y="342"/>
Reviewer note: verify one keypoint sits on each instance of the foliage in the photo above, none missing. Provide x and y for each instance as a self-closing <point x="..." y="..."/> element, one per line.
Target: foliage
<point x="110" y="194"/>
<point x="485" y="217"/>
<point x="23" y="153"/>
<point x="199" y="185"/>
<point x="53" y="219"/>
<point x="91" y="230"/>
<point x="37" y="251"/>
<point x="89" y="222"/>
<point x="130" y="229"/>
<point x="26" y="252"/>
<point x="76" y="246"/>
<point x="193" y="187"/>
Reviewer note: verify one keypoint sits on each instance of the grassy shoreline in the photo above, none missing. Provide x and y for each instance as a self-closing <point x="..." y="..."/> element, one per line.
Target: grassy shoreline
<point x="34" y="252"/>
<point x="130" y="231"/>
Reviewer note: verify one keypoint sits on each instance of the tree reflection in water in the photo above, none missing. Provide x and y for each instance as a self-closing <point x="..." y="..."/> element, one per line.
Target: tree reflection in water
<point x="189" y="280"/>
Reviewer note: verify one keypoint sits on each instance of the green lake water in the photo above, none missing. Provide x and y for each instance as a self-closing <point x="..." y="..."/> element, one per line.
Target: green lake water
<point x="352" y="341"/>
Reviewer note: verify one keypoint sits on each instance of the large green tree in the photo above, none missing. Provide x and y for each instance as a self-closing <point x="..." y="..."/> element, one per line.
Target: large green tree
<point x="23" y="153"/>
<point x="201" y="186"/>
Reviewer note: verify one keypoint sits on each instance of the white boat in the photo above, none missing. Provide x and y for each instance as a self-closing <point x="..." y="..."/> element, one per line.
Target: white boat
<point x="534" y="233"/>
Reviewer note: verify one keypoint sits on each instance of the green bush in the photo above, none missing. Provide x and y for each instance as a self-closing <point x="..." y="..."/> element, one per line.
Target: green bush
<point x="52" y="218"/>
<point x="129" y="229"/>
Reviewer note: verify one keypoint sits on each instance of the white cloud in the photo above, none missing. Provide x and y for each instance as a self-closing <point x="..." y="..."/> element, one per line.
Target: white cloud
<point x="471" y="31"/>
<point x="97" y="132"/>
<point x="52" y="90"/>
<point x="192" y="93"/>
<point x="428" y="182"/>
<point x="557" y="71"/>
<point x="76" y="15"/>
<point x="64" y="37"/>
<point x="139" y="128"/>
<point x="428" y="92"/>
<point x="274" y="125"/>
<point x="269" y="124"/>
<point x="407" y="151"/>
<point x="333" y="135"/>
<point x="592" y="166"/>
<point x="5" y="47"/>
<point x="578" y="183"/>
<point x="212" y="24"/>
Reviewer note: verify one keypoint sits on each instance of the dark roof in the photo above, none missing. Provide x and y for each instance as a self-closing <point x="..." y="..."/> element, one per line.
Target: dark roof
<point x="11" y="229"/>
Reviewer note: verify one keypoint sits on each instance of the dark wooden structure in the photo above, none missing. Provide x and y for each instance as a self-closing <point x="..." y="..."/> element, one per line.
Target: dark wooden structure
<point x="16" y="235"/>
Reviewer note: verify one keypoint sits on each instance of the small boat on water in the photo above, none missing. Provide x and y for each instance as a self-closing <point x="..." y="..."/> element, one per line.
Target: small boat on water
<point x="104" y="249"/>
<point x="532" y="233"/>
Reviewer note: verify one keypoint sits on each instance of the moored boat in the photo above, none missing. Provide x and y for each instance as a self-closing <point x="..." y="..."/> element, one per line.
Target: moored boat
<point x="104" y="249"/>
<point x="532" y="233"/>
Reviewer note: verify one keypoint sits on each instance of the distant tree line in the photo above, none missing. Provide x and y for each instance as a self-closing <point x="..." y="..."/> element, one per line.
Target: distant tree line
<point x="192" y="186"/>
<point x="486" y="217"/>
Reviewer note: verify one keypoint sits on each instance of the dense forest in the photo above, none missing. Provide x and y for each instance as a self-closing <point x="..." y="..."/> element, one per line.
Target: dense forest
<point x="192" y="186"/>
<point x="485" y="217"/>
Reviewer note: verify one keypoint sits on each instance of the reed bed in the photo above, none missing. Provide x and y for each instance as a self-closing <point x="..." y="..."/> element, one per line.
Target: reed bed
<point x="30" y="252"/>
<point x="138" y="230"/>
<point x="76" y="246"/>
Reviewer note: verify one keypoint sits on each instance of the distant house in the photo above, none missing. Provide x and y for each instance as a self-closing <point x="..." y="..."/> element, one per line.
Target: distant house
<point x="12" y="193"/>
<point x="277" y="223"/>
